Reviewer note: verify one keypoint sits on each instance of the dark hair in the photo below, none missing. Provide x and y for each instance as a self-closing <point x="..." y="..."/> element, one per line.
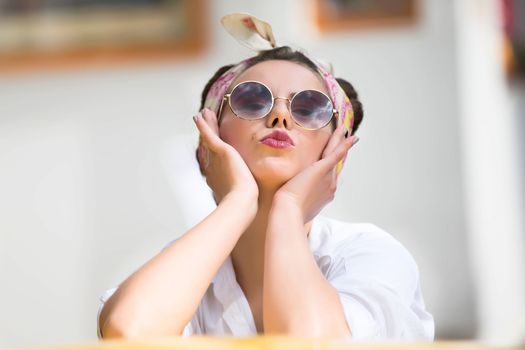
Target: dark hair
<point x="288" y="54"/>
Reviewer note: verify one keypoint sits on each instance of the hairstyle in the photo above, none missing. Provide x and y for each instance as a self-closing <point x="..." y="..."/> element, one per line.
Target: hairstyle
<point x="288" y="54"/>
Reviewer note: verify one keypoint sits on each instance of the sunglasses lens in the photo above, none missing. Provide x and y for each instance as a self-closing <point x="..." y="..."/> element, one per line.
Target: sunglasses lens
<point x="312" y="109"/>
<point x="251" y="100"/>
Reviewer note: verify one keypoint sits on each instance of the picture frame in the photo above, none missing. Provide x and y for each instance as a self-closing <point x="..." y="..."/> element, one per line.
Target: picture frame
<point x="337" y="15"/>
<point x="72" y="33"/>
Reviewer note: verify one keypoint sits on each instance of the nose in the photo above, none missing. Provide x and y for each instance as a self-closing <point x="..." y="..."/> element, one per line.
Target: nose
<point x="280" y="116"/>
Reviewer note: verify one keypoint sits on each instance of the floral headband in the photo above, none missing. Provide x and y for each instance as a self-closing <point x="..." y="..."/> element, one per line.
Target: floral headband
<point x="258" y="36"/>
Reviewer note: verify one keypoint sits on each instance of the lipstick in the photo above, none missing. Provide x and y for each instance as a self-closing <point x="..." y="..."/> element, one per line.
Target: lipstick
<point x="278" y="139"/>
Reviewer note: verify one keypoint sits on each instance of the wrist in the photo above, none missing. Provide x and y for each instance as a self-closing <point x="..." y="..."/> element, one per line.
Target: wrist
<point x="286" y="215"/>
<point x="284" y="203"/>
<point x="244" y="201"/>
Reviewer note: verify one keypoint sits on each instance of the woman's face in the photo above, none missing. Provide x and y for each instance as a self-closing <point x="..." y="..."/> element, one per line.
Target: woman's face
<point x="273" y="166"/>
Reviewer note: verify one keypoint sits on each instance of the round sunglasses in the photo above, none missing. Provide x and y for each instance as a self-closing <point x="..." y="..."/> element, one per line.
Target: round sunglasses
<point x="251" y="100"/>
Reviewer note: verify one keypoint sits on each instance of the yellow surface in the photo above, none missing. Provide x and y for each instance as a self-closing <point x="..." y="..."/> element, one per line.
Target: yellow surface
<point x="262" y="343"/>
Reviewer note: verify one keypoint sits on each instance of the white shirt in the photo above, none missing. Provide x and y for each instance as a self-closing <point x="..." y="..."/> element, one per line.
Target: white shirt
<point x="376" y="277"/>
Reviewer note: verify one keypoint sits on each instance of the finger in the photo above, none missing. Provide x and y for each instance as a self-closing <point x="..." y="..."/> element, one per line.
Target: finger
<point x="209" y="137"/>
<point x="203" y="155"/>
<point x="335" y="139"/>
<point x="340" y="152"/>
<point x="334" y="174"/>
<point x="211" y="118"/>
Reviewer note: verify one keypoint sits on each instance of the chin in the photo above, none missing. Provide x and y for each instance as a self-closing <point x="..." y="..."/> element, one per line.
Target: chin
<point x="273" y="172"/>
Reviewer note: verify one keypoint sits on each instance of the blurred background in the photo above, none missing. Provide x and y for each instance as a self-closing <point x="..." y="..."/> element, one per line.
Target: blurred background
<point x="97" y="169"/>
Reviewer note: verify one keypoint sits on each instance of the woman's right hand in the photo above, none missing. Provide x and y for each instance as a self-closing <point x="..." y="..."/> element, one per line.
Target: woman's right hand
<point x="225" y="170"/>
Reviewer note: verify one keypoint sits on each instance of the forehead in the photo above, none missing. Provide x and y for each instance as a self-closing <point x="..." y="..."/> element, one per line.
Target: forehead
<point x="282" y="77"/>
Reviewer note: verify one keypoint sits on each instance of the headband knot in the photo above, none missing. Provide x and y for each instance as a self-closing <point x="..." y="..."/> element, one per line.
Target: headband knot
<point x="250" y="31"/>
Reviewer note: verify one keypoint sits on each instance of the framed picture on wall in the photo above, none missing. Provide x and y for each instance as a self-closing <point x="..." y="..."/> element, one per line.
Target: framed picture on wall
<point x="333" y="15"/>
<point x="56" y="33"/>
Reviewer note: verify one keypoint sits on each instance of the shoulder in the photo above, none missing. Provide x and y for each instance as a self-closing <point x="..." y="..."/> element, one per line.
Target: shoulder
<point x="364" y="252"/>
<point x="334" y="230"/>
<point x="338" y="237"/>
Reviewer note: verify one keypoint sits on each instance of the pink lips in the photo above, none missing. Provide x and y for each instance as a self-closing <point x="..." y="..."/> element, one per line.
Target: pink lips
<point x="277" y="139"/>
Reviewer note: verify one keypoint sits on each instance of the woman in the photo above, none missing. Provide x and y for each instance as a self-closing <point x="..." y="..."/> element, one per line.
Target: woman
<point x="275" y="130"/>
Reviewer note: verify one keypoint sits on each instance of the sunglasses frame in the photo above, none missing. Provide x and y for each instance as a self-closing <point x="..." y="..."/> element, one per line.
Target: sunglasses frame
<point x="227" y="97"/>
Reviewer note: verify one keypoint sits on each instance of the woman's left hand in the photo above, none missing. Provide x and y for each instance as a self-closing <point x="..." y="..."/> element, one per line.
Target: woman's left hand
<point x="315" y="186"/>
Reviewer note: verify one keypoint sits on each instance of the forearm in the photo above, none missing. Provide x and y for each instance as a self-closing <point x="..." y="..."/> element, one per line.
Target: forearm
<point x="297" y="299"/>
<point x="161" y="297"/>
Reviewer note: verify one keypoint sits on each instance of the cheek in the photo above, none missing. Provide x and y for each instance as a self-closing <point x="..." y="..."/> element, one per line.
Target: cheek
<point x="314" y="147"/>
<point x="237" y="135"/>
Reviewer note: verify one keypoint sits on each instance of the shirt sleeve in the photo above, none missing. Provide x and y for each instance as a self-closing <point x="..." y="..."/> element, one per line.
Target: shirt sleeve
<point x="103" y="298"/>
<point x="377" y="280"/>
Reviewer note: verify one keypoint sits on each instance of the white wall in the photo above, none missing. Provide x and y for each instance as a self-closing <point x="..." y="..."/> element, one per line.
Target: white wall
<point x="91" y="167"/>
<point x="45" y="249"/>
<point x="492" y="162"/>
